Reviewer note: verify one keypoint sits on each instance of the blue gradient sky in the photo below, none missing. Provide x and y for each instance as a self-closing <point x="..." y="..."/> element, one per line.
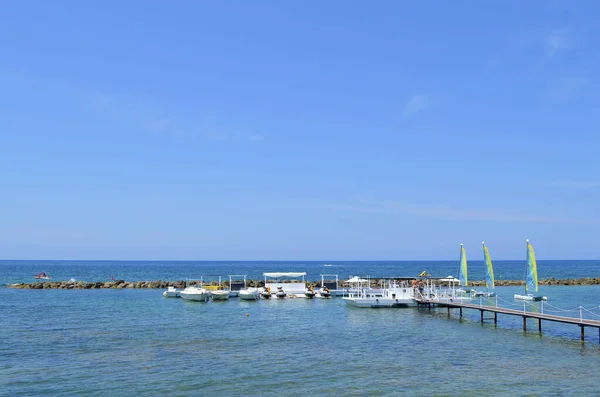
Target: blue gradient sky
<point x="299" y="129"/>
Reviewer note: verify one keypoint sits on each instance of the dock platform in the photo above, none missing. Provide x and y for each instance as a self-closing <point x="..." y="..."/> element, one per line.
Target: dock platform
<point x="580" y="321"/>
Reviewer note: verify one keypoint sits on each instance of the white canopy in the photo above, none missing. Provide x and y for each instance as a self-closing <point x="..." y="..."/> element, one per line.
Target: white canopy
<point x="301" y="274"/>
<point x="450" y="279"/>
<point x="356" y="279"/>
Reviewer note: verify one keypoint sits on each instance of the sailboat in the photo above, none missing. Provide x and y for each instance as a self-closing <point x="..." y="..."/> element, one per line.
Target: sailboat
<point x="531" y="278"/>
<point x="462" y="268"/>
<point x="489" y="275"/>
<point x="463" y="278"/>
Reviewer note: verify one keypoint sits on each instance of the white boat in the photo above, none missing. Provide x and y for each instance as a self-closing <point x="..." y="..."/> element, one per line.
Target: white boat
<point x="489" y="276"/>
<point x="249" y="294"/>
<point x="531" y="278"/>
<point x="195" y="293"/>
<point x="219" y="295"/>
<point x="171" y="292"/>
<point x="483" y="294"/>
<point x="394" y="292"/>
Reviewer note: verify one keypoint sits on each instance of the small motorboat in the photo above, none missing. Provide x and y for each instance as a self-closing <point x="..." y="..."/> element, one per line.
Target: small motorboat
<point x="324" y="292"/>
<point x="171" y="292"/>
<point x="266" y="293"/>
<point x="43" y="276"/>
<point x="219" y="295"/>
<point x="280" y="294"/>
<point x="249" y="294"/>
<point x="309" y="293"/>
<point x="194" y="294"/>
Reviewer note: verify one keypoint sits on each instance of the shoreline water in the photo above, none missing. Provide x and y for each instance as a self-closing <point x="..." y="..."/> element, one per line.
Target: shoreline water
<point x="161" y="284"/>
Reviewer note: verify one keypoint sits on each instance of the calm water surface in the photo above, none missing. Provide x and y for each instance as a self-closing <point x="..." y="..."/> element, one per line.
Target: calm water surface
<point x="127" y="342"/>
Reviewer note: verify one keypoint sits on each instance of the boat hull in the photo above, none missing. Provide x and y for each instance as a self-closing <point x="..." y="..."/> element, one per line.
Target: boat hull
<point x="249" y="295"/>
<point x="219" y="295"/>
<point x="194" y="294"/>
<point x="483" y="294"/>
<point x="530" y="297"/>
<point x="379" y="302"/>
<point x="171" y="292"/>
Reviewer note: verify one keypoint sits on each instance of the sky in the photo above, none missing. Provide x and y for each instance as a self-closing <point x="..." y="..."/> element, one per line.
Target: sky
<point x="299" y="130"/>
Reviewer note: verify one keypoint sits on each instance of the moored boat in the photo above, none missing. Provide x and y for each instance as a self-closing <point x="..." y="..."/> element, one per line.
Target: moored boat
<point x="249" y="294"/>
<point x="195" y="293"/>
<point x="393" y="292"/>
<point x="531" y="278"/>
<point x="171" y="292"/>
<point x="43" y="276"/>
<point x="489" y="276"/>
<point x="219" y="295"/>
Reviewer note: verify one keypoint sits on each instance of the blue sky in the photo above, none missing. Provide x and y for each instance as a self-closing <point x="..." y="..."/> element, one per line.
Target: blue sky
<point x="299" y="130"/>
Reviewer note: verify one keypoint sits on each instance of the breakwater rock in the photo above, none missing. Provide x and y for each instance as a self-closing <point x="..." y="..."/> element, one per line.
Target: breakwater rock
<point x="162" y="284"/>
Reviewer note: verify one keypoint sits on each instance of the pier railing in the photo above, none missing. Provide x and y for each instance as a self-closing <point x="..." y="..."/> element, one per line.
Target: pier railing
<point x="536" y="310"/>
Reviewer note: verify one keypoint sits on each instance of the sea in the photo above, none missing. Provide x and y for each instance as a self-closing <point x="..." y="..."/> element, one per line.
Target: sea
<point x="125" y="342"/>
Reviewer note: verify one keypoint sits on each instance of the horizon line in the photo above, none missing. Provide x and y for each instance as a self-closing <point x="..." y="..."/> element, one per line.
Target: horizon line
<point x="325" y="261"/>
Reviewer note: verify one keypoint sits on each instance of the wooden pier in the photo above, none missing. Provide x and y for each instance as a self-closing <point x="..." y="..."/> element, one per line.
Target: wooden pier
<point x="581" y="322"/>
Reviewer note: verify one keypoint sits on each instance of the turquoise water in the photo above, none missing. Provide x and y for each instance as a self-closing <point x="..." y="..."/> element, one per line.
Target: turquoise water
<point x="127" y="342"/>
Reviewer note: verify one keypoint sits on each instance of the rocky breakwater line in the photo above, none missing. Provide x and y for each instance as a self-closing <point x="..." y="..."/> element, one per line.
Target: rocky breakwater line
<point x="549" y="281"/>
<point x="161" y="284"/>
<point x="99" y="284"/>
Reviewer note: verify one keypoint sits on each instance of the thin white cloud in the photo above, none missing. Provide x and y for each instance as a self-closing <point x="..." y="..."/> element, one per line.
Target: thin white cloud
<point x="416" y="104"/>
<point x="445" y="212"/>
<point x="574" y="184"/>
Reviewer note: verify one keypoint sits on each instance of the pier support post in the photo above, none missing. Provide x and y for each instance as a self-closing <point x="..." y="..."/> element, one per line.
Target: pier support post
<point x="448" y="311"/>
<point x="460" y="312"/>
<point x="582" y="332"/>
<point x="524" y="323"/>
<point x="495" y="318"/>
<point x="540" y="324"/>
<point x="481" y="315"/>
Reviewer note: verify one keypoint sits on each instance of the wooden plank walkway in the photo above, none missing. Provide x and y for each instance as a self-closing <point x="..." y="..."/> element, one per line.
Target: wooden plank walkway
<point x="581" y="322"/>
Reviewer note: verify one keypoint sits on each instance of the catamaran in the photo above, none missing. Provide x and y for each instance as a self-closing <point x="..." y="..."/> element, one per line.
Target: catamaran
<point x="531" y="278"/>
<point x="489" y="275"/>
<point x="463" y="278"/>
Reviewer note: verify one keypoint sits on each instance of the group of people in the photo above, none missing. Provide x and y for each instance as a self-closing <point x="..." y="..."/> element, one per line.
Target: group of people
<point x="418" y="285"/>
